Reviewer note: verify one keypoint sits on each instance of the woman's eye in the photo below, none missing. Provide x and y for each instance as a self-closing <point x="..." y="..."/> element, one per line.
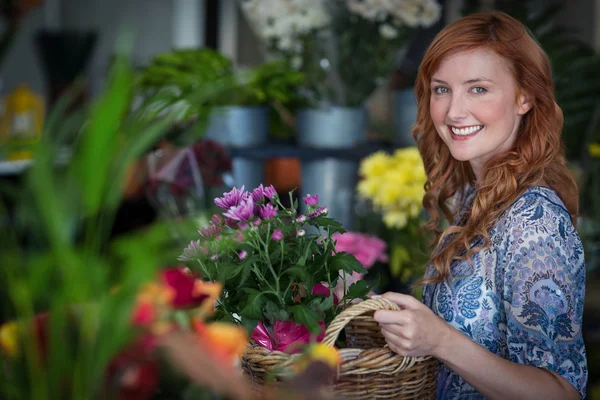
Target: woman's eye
<point x="478" y="90"/>
<point x="440" y="90"/>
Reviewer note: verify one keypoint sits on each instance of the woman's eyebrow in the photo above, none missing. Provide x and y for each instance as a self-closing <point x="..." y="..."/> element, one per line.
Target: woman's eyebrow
<point x="470" y="81"/>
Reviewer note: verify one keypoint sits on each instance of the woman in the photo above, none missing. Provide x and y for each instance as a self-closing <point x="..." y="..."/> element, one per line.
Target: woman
<point x="503" y="296"/>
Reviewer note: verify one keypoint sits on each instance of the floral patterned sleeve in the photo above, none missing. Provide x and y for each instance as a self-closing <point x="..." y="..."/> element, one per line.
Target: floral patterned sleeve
<point x="544" y="286"/>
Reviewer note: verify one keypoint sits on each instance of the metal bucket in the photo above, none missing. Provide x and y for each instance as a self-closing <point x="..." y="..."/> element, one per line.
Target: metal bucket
<point x="334" y="180"/>
<point x="236" y="126"/>
<point x="333" y="127"/>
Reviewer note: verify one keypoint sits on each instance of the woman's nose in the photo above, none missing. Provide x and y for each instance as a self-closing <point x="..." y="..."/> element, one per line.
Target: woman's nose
<point x="458" y="109"/>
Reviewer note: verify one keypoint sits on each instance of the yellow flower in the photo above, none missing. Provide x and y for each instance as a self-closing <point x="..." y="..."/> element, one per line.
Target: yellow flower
<point x="594" y="149"/>
<point x="408" y="155"/>
<point x="9" y="339"/>
<point x="388" y="194"/>
<point x="395" y="184"/>
<point x="375" y="165"/>
<point x="369" y="187"/>
<point x="318" y="352"/>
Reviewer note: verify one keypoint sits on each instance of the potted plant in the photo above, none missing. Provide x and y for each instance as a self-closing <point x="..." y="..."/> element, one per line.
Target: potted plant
<point x="239" y="111"/>
<point x="345" y="49"/>
<point x="290" y="287"/>
<point x="243" y="113"/>
<point x="279" y="280"/>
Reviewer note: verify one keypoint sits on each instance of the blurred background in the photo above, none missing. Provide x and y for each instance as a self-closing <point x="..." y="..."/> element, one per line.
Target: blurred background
<point x="314" y="97"/>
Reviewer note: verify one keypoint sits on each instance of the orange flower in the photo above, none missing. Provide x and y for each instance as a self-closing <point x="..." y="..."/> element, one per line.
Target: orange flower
<point x="210" y="289"/>
<point x="150" y="302"/>
<point x="226" y="342"/>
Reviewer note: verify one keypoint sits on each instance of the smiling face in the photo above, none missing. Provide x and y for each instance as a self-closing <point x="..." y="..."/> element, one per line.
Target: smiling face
<point x="474" y="105"/>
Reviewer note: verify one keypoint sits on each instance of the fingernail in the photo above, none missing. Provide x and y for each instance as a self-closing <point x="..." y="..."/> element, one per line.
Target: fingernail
<point x="376" y="296"/>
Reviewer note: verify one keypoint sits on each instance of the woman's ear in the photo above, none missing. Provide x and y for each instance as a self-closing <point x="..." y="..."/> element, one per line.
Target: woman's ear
<point x="524" y="103"/>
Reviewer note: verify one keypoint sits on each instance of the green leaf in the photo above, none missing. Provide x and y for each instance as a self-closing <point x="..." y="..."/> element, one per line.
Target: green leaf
<point x="253" y="308"/>
<point x="328" y="224"/>
<point x="347" y="263"/>
<point x="101" y="134"/>
<point x="249" y="324"/>
<point x="299" y="272"/>
<point x="307" y="253"/>
<point x="326" y="304"/>
<point x="358" y="290"/>
<point x="304" y="315"/>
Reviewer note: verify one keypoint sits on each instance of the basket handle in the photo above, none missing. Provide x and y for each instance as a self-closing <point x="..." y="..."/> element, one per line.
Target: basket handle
<point x="339" y="322"/>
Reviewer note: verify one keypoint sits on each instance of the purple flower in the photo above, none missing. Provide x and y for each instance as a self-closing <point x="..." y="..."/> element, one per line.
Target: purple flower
<point x="258" y="194"/>
<point x="214" y="257"/>
<point x="267" y="211"/>
<point x="301" y="219"/>
<point x="216" y="220"/>
<point x="270" y="191"/>
<point x="277" y="235"/>
<point x="318" y="212"/>
<point x="193" y="251"/>
<point x="232" y="198"/>
<point x="300" y="233"/>
<point x="210" y="231"/>
<point x="242" y="212"/>
<point x="311" y="200"/>
<point x="256" y="222"/>
<point x="242" y="254"/>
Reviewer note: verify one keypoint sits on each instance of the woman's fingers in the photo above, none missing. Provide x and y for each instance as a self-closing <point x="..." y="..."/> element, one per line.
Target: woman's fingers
<point x="403" y="300"/>
<point x="402" y="317"/>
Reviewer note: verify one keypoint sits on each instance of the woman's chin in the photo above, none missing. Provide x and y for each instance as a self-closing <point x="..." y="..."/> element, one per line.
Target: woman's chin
<point x="462" y="155"/>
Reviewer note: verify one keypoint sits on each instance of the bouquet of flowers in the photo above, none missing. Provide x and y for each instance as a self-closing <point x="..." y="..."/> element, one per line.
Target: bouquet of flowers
<point x="344" y="47"/>
<point x="280" y="269"/>
<point x="394" y="184"/>
<point x="174" y="303"/>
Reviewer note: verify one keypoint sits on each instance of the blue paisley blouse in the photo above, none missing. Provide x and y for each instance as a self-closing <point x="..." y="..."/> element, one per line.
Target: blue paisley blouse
<point x="522" y="297"/>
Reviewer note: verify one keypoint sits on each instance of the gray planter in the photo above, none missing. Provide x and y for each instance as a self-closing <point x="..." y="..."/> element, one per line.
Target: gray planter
<point x="335" y="183"/>
<point x="334" y="180"/>
<point x="333" y="127"/>
<point x="405" y="116"/>
<point x="242" y="127"/>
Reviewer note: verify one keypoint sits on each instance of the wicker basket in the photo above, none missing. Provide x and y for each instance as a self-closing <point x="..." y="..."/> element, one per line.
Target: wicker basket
<point x="368" y="371"/>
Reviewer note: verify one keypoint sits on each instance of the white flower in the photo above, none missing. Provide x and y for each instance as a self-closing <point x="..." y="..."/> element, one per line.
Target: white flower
<point x="408" y="12"/>
<point x="414" y="13"/>
<point x="277" y="19"/>
<point x="388" y="32"/>
<point x="431" y="14"/>
<point x="286" y="43"/>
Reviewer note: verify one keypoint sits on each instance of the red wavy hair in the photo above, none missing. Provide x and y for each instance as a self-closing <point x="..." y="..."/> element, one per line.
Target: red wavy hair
<point x="537" y="156"/>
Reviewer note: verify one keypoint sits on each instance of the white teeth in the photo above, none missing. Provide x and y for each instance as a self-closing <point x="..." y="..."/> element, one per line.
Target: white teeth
<point x="467" y="131"/>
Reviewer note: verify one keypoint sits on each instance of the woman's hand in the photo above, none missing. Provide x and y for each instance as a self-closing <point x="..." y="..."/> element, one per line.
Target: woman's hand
<point x="415" y="330"/>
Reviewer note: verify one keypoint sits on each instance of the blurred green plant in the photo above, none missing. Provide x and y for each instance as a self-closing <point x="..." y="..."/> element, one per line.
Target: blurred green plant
<point x="575" y="64"/>
<point x="273" y="81"/>
<point x="59" y="263"/>
<point x="172" y="78"/>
